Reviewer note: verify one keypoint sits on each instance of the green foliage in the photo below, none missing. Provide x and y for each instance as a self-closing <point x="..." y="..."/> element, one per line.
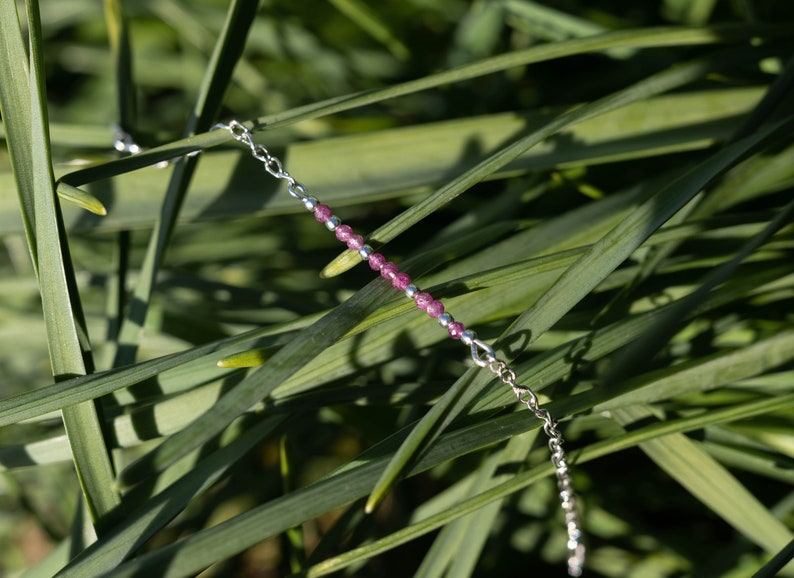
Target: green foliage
<point x="195" y="379"/>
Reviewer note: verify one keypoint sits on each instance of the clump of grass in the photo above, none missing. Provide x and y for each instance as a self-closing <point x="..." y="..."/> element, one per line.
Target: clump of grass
<point x="604" y="196"/>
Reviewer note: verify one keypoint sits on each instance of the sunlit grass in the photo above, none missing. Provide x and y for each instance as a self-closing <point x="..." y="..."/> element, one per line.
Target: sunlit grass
<point x="604" y="195"/>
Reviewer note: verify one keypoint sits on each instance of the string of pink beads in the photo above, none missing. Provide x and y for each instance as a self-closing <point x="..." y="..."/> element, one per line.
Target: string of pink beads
<point x="388" y="270"/>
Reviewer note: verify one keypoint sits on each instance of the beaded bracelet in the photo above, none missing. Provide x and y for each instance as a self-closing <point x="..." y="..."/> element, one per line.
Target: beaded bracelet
<point x="481" y="353"/>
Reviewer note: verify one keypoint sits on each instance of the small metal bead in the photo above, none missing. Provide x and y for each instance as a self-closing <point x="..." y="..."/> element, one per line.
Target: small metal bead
<point x="445" y="319"/>
<point x="332" y="223"/>
<point x="468" y="336"/>
<point x="365" y="252"/>
<point x="411" y="291"/>
<point x="310" y="203"/>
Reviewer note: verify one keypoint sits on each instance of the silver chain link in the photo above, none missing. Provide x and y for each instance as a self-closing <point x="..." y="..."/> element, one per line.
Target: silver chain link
<point x="482" y="354"/>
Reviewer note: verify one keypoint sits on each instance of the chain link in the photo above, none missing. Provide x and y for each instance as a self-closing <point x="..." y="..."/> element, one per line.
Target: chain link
<point x="483" y="356"/>
<point x="525" y="395"/>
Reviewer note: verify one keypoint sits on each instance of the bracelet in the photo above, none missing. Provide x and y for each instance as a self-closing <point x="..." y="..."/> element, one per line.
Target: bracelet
<point x="482" y="354"/>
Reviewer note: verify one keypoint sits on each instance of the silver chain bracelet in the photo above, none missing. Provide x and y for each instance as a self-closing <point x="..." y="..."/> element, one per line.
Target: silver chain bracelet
<point x="481" y="353"/>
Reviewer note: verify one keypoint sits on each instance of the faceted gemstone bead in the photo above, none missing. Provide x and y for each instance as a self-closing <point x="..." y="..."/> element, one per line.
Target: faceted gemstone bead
<point x="422" y="300"/>
<point x="355" y="242"/>
<point x="322" y="213"/>
<point x="376" y="261"/>
<point x="456" y="329"/>
<point x="343" y="233"/>
<point x="389" y="271"/>
<point x="435" y="308"/>
<point x="401" y="281"/>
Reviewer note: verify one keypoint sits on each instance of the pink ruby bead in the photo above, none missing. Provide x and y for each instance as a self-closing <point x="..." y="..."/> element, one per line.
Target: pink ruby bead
<point x="401" y="281"/>
<point x="456" y="329"/>
<point x="376" y="261"/>
<point x="389" y="271"/>
<point x="435" y="308"/>
<point x="343" y="233"/>
<point x="355" y="242"/>
<point x="322" y="213"/>
<point x="423" y="299"/>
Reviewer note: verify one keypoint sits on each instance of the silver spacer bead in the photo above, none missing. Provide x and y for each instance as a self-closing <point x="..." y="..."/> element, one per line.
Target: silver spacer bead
<point x="365" y="252"/>
<point x="445" y="319"/>
<point x="310" y="203"/>
<point x="332" y="223"/>
<point x="411" y="291"/>
<point x="467" y="337"/>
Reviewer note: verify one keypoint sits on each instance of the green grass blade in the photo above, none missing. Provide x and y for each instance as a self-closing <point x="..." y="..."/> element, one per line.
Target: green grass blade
<point x="369" y="21"/>
<point x="459" y="545"/>
<point x="645" y="38"/>
<point x="776" y="564"/>
<point x="646" y="347"/>
<point x="42" y="401"/>
<point x="702" y="374"/>
<point x="283" y="513"/>
<point x="81" y="199"/>
<point x="15" y="107"/>
<point x="549" y="23"/>
<point x="155" y="512"/>
<point x="286" y="362"/>
<point x="594" y="451"/>
<point x="664" y="124"/>
<point x="63" y="316"/>
<point x="41" y="452"/>
<point x="713" y="485"/>
<point x="647" y="88"/>
<point x="230" y="45"/>
<point x="598" y="262"/>
<point x="126" y="90"/>
<point x="606" y="254"/>
<point x="202" y="549"/>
